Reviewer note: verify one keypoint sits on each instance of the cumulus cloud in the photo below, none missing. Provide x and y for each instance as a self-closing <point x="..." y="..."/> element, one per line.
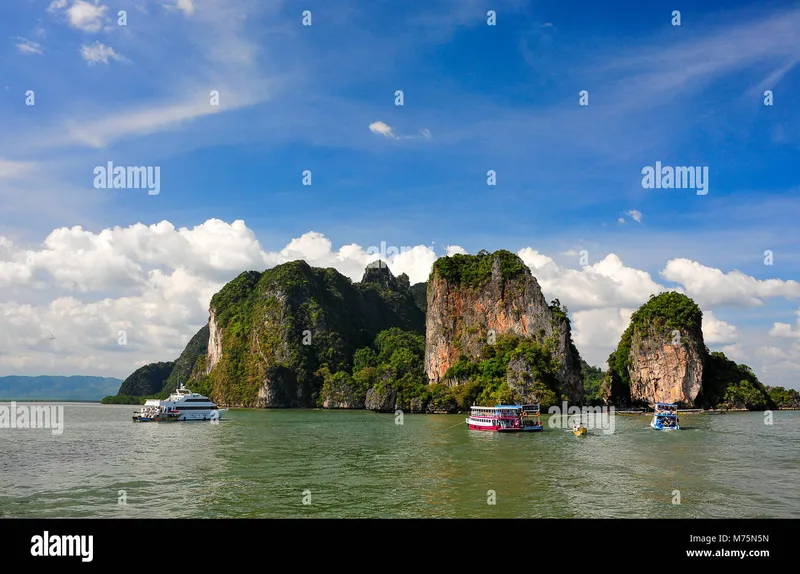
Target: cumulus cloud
<point x="154" y="283"/>
<point x="607" y="283"/>
<point x="716" y="331"/>
<point x="80" y="14"/>
<point x="382" y="129"/>
<point x="710" y="286"/>
<point x="733" y="352"/>
<point x="596" y="332"/>
<point x="785" y="330"/>
<point x="99" y="52"/>
<point x="28" y="46"/>
<point x="454" y="249"/>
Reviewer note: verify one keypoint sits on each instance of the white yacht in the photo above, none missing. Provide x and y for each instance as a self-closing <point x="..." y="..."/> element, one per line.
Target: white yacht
<point x="182" y="405"/>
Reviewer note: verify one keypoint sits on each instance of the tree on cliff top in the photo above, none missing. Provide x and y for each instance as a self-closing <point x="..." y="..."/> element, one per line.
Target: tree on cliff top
<point x="476" y="270"/>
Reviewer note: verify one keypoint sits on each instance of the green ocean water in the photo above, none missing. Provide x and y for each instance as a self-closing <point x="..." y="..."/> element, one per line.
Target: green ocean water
<point x="309" y="463"/>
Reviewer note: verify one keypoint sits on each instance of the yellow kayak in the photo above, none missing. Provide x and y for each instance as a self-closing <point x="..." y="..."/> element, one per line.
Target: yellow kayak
<point x="579" y="431"/>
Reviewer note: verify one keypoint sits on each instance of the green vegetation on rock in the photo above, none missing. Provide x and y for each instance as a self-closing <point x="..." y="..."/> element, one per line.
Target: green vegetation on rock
<point x="195" y="351"/>
<point x="476" y="270"/>
<point x="727" y="384"/>
<point x="123" y="400"/>
<point x="147" y="380"/>
<point x="592" y="384"/>
<point x="290" y="323"/>
<point x="784" y="398"/>
<point x="662" y="314"/>
<point x="392" y="364"/>
<point x="513" y="370"/>
<point x="419" y="291"/>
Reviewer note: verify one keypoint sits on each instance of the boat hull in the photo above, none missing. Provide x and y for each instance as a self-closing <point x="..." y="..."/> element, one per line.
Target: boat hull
<point x="207" y="416"/>
<point x="658" y="426"/>
<point x="503" y="430"/>
<point x="202" y="416"/>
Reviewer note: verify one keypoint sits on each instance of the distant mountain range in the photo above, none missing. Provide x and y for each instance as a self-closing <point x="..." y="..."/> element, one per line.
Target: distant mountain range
<point x="56" y="388"/>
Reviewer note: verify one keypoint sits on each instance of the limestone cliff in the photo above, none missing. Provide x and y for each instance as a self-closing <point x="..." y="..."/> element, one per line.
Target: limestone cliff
<point x="473" y="299"/>
<point x="270" y="333"/>
<point x="661" y="355"/>
<point x="667" y="368"/>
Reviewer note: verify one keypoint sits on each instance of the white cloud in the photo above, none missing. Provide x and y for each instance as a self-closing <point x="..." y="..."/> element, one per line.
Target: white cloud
<point x="636" y="215"/>
<point x="28" y="46"/>
<point x="155" y="282"/>
<point x="621" y="220"/>
<point x="382" y="129"/>
<point x="785" y="330"/>
<point x="607" y="283"/>
<point x="596" y="332"/>
<point x="709" y="286"/>
<point x="733" y="352"/>
<point x="99" y="53"/>
<point x="14" y="169"/>
<point x="716" y="331"/>
<point x="230" y="56"/>
<point x="56" y="5"/>
<point x="453" y="249"/>
<point x="426" y="133"/>
<point x="142" y="121"/>
<point x="185" y="6"/>
<point x="83" y="15"/>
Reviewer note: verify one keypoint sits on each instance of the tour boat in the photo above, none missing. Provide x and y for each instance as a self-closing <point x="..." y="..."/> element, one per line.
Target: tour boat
<point x="665" y="417"/>
<point x="182" y="405"/>
<point x="505" y="418"/>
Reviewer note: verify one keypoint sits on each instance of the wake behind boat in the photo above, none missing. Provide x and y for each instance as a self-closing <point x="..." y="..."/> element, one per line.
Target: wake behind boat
<point x="182" y="405"/>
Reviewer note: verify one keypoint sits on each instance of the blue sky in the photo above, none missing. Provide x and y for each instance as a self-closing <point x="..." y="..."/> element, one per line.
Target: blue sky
<point x="476" y="98"/>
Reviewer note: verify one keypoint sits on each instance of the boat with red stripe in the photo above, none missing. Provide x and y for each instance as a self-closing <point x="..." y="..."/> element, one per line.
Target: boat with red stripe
<point x="505" y="418"/>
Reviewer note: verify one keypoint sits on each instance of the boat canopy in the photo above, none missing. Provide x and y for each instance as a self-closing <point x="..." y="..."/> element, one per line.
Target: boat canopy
<point x="668" y="405"/>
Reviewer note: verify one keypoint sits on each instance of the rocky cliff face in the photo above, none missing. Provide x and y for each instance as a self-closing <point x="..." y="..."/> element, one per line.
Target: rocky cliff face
<point x="214" y="342"/>
<point x="474" y="299"/>
<point x="269" y="333"/>
<point x="661" y="355"/>
<point x="665" y="371"/>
